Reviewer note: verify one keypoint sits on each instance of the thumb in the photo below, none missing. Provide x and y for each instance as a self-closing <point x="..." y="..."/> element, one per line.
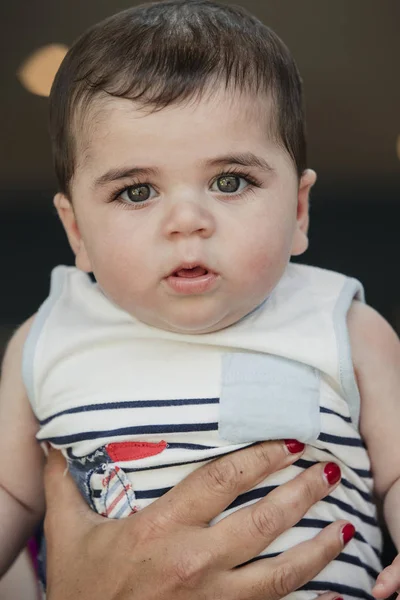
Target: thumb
<point x="64" y="503"/>
<point x="60" y="490"/>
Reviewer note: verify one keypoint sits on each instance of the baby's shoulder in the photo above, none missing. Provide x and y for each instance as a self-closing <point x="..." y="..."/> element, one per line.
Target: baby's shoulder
<point x="372" y="339"/>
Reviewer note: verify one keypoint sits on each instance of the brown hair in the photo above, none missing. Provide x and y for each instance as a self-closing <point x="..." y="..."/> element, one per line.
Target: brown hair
<point x="168" y="52"/>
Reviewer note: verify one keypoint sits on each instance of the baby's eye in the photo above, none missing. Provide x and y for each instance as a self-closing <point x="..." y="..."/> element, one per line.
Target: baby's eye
<point x="230" y="184"/>
<point x="137" y="194"/>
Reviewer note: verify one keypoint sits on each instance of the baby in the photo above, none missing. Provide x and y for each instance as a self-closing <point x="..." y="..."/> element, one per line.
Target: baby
<point x="179" y="146"/>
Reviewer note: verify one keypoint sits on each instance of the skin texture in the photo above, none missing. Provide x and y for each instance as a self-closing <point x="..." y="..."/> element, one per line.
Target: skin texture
<point x="246" y="237"/>
<point x="169" y="551"/>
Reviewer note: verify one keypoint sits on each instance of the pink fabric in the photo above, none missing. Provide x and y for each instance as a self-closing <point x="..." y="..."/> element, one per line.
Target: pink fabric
<point x="33" y="551"/>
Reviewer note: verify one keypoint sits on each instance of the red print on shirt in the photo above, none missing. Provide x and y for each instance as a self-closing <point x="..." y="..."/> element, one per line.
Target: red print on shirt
<point x="125" y="451"/>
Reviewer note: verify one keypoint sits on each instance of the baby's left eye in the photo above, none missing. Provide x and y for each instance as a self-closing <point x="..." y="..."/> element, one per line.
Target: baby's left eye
<point x="229" y="184"/>
<point x="137" y="194"/>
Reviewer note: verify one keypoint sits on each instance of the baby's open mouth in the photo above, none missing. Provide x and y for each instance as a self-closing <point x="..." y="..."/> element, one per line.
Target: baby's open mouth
<point x="191" y="279"/>
<point x="190" y="273"/>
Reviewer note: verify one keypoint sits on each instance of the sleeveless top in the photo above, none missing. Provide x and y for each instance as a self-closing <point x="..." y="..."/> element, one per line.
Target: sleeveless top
<point x="135" y="409"/>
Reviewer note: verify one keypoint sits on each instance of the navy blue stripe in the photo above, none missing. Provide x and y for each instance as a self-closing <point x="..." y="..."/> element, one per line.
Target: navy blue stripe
<point x="366" y="473"/>
<point x="322" y="586"/>
<point x="251" y="495"/>
<point x="139" y="430"/>
<point x="343" y="557"/>
<point x="187" y="462"/>
<point x="152" y="404"/>
<point x="150" y="494"/>
<point x="192" y="446"/>
<point x="321" y="523"/>
<point x="305" y="464"/>
<point x="328" y="411"/>
<point x="360" y="472"/>
<point x="367" y="497"/>
<point x="342" y="440"/>
<point x="299" y="463"/>
<point x="261" y="556"/>
<point x="351" y="510"/>
<point x="302" y="462"/>
<point x="130" y="404"/>
<point x="261" y="492"/>
<point x="356" y="561"/>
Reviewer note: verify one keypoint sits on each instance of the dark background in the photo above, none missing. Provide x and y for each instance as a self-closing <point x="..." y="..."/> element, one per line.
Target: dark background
<point x="348" y="54"/>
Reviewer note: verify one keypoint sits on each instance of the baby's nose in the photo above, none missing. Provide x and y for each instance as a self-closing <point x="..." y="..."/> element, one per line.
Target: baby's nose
<point x="187" y="218"/>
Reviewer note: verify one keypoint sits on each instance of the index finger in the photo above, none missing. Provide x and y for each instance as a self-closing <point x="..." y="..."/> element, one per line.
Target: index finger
<point x="205" y="493"/>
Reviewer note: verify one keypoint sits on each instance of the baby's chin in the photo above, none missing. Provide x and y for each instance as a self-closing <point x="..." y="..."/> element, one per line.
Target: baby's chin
<point x="188" y="326"/>
<point x="193" y="322"/>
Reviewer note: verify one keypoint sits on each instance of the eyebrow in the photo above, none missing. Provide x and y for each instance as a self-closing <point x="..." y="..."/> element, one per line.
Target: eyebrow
<point x="245" y="159"/>
<point x="124" y="173"/>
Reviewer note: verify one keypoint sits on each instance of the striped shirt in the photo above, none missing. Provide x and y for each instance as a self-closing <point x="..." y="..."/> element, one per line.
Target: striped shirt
<point x="136" y="409"/>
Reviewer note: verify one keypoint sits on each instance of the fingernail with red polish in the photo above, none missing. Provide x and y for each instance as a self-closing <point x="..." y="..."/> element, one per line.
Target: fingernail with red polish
<point x="294" y="446"/>
<point x="332" y="473"/>
<point x="347" y="533"/>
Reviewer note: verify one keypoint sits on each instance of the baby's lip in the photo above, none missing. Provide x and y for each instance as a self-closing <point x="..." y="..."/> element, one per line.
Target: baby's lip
<point x="188" y="266"/>
<point x="191" y="279"/>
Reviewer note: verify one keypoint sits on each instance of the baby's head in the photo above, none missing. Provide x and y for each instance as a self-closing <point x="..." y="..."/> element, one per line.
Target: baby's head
<point x="179" y="146"/>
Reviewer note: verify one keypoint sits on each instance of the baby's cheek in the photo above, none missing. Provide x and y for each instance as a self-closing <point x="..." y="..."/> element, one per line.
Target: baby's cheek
<point x="261" y="271"/>
<point x="267" y="258"/>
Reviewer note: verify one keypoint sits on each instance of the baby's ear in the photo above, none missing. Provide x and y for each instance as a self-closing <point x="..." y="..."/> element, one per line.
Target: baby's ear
<point x="66" y="212"/>
<point x="300" y="238"/>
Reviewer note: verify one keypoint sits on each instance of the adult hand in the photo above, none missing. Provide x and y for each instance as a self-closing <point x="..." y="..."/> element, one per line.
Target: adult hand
<point x="169" y="551"/>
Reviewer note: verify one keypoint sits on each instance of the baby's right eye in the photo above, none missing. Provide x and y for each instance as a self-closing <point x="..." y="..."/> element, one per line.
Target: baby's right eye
<point x="137" y="194"/>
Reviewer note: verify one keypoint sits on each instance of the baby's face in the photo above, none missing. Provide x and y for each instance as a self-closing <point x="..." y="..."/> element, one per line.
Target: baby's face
<point x="188" y="216"/>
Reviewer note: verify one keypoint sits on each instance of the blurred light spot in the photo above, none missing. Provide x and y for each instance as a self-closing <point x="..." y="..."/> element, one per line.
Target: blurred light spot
<point x="38" y="71"/>
<point x="398" y="146"/>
